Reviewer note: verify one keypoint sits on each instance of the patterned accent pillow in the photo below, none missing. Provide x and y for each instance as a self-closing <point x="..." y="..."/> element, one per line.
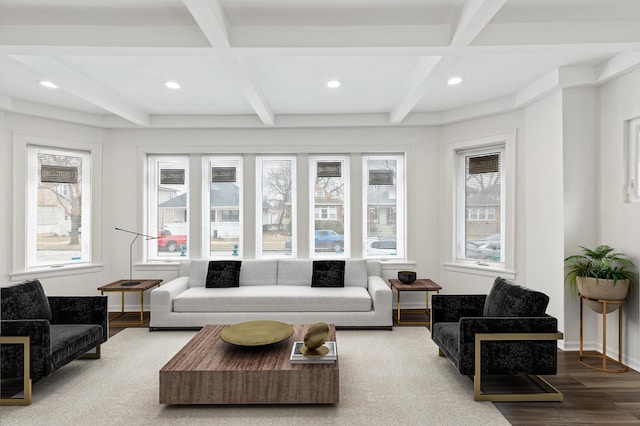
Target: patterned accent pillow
<point x="223" y="274"/>
<point x="328" y="273"/>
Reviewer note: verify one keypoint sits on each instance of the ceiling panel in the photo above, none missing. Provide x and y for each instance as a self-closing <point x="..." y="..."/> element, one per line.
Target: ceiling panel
<point x="298" y="85"/>
<point x="208" y="86"/>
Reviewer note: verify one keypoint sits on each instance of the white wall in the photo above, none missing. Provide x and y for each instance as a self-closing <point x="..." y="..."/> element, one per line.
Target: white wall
<point x="581" y="172"/>
<point x="619" y="221"/>
<point x="543" y="202"/>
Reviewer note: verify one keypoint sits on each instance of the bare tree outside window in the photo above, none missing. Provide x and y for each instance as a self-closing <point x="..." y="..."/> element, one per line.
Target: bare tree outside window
<point x="59" y="193"/>
<point x="277" y="210"/>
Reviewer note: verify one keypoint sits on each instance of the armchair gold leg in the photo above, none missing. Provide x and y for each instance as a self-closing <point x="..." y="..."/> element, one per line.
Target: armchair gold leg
<point x="550" y="393"/>
<point x="92" y="355"/>
<point x="26" y="379"/>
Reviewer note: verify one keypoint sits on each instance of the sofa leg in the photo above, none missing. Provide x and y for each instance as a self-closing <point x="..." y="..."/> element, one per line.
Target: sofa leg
<point x="92" y="355"/>
<point x="440" y="353"/>
<point x="26" y="380"/>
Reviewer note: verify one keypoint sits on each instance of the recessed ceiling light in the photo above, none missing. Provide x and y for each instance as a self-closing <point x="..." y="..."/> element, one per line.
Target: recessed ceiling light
<point x="454" y="81"/>
<point x="333" y="84"/>
<point x="48" y="84"/>
<point x="172" y="85"/>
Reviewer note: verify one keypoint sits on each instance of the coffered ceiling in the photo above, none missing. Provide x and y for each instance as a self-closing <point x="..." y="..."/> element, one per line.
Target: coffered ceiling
<point x="266" y="63"/>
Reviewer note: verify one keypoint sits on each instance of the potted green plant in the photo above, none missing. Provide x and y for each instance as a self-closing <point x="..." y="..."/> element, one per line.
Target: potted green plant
<point x="600" y="274"/>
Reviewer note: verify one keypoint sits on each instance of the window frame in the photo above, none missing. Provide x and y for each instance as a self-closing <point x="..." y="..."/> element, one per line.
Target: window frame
<point x="633" y="184"/>
<point x="457" y="262"/>
<point x="346" y="162"/>
<point x="151" y="252"/>
<point x="19" y="237"/>
<point x="399" y="193"/>
<point x="206" y="204"/>
<point x="259" y="160"/>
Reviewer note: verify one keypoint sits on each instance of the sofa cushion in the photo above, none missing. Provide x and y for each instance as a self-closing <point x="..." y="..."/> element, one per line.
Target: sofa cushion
<point x="507" y="299"/>
<point x="223" y="273"/>
<point x="355" y="273"/>
<point x="70" y="341"/>
<point x="294" y="272"/>
<point x="328" y="273"/>
<point x="198" y="273"/>
<point x="259" y="272"/>
<point x="273" y="299"/>
<point x="24" y="301"/>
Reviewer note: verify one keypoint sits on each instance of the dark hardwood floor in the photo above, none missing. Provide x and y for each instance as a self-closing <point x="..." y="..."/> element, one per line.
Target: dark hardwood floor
<point x="590" y="397"/>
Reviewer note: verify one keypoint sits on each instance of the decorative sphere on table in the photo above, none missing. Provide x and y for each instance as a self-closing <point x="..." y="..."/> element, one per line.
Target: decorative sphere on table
<point x="314" y="339"/>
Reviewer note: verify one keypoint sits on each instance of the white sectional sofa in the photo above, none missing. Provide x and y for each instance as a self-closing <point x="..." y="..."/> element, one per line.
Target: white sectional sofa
<point x="274" y="289"/>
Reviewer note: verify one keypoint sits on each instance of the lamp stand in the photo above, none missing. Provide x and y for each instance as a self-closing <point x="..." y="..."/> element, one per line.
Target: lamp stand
<point x="131" y="282"/>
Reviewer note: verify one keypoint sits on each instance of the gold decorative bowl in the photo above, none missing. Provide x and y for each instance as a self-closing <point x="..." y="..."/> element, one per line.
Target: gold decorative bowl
<point x="257" y="333"/>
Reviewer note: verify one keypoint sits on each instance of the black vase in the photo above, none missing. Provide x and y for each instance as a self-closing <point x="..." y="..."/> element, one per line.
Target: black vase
<point x="407" y="277"/>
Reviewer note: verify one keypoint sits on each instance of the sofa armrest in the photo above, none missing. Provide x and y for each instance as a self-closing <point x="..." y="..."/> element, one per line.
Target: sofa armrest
<point x="452" y="307"/>
<point x="162" y="297"/>
<point x="11" y="357"/>
<point x="80" y="310"/>
<point x="381" y="296"/>
<point x="498" y="350"/>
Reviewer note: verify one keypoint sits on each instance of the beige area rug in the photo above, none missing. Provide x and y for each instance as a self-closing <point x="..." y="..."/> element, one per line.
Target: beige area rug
<point x="386" y="378"/>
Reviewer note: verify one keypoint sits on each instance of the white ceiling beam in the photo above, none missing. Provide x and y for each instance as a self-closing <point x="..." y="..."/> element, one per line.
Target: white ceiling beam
<point x="211" y="19"/>
<point x="252" y="91"/>
<point x="424" y="77"/>
<point x="619" y="64"/>
<point x="559" y="78"/>
<point x="475" y="16"/>
<point x="6" y="102"/>
<point x="341" y="36"/>
<point x="102" y="36"/>
<point x="85" y="88"/>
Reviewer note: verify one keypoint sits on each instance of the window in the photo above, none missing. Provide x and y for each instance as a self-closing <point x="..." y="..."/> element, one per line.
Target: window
<point x="168" y="211"/>
<point x="383" y="198"/>
<point x="276" y="208"/>
<point x="634" y="160"/>
<point x="329" y="180"/>
<point x="480" y="190"/>
<point x="224" y="184"/>
<point x="58" y="207"/>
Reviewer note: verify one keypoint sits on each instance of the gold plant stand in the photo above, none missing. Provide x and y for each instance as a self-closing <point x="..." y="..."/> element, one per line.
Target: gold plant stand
<point x="620" y="367"/>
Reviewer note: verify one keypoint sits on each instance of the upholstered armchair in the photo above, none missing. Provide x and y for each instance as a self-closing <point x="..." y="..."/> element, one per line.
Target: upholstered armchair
<point x="505" y="332"/>
<point x="40" y="334"/>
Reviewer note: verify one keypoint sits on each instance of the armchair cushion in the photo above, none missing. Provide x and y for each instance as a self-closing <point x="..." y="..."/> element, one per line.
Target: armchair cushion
<point x="70" y="341"/>
<point x="24" y="301"/>
<point x="507" y="299"/>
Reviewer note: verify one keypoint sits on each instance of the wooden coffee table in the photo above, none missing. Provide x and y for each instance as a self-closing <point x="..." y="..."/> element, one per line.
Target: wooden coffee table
<point x="209" y="371"/>
<point x="420" y="284"/>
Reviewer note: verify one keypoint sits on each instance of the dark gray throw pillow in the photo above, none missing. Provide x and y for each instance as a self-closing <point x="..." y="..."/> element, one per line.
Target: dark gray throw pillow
<point x="223" y="274"/>
<point x="508" y="299"/>
<point x="328" y="273"/>
<point x="24" y="301"/>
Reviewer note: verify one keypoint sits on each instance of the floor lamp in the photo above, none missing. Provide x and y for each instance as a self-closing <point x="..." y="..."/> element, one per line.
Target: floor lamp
<point x="137" y="234"/>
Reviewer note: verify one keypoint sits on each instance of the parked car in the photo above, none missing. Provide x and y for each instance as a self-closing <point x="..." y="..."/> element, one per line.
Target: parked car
<point x="382" y="247"/>
<point x="169" y="242"/>
<point x="484" y="250"/>
<point x="326" y="240"/>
